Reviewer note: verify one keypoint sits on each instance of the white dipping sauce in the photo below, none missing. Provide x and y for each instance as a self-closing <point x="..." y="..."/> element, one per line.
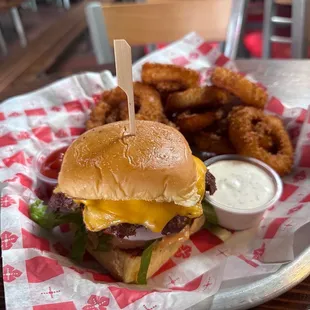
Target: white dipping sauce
<point x="241" y="185"/>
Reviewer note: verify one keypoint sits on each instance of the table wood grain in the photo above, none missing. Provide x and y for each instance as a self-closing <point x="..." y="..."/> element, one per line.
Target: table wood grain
<point x="287" y="80"/>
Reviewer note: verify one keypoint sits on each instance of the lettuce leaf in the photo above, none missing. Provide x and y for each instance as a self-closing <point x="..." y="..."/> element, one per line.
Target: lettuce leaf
<point x="209" y="213"/>
<point x="211" y="222"/>
<point x="145" y="262"/>
<point x="48" y="219"/>
<point x="79" y="243"/>
<point x="104" y="243"/>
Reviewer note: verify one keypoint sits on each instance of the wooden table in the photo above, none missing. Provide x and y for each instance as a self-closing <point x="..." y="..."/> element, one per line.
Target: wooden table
<point x="288" y="80"/>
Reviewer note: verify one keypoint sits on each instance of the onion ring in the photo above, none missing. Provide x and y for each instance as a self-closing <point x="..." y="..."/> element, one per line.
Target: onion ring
<point x="195" y="122"/>
<point x="167" y="87"/>
<point x="114" y="96"/>
<point x="114" y="106"/>
<point x="113" y="116"/>
<point x="264" y="138"/>
<point x="199" y="97"/>
<point x="98" y="115"/>
<point x="166" y="121"/>
<point x="169" y="78"/>
<point x="148" y="100"/>
<point x="213" y="143"/>
<point x="242" y="124"/>
<point x="251" y="94"/>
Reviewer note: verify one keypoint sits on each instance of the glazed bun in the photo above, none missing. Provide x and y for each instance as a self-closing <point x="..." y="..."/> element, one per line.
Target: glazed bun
<point x="154" y="165"/>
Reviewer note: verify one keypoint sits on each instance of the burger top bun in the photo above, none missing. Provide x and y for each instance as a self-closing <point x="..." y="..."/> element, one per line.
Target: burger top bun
<point x="154" y="165"/>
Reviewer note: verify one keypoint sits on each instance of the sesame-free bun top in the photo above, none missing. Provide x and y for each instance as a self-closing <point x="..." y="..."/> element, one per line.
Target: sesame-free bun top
<point x="154" y="165"/>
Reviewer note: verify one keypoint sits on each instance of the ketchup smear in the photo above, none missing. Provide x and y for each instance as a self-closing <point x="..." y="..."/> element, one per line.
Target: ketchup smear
<point x="51" y="166"/>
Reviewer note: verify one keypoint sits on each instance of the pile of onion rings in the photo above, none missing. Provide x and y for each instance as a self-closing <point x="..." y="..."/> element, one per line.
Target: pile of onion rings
<point x="223" y="118"/>
<point x="201" y="113"/>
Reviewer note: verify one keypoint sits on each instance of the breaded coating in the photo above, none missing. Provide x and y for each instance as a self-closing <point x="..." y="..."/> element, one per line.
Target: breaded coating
<point x="195" y="122"/>
<point x="198" y="97"/>
<point x="169" y="77"/>
<point x="213" y="143"/>
<point x="243" y="123"/>
<point x="250" y="94"/>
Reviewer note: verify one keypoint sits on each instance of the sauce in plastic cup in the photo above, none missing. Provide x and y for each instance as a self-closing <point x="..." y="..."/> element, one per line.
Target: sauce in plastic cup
<point x="237" y="178"/>
<point x="47" y="164"/>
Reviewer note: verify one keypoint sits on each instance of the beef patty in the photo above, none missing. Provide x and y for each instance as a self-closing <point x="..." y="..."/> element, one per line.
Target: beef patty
<point x="60" y="203"/>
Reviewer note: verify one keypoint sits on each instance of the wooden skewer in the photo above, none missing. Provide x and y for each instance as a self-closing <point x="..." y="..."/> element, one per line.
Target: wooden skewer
<point x="123" y="63"/>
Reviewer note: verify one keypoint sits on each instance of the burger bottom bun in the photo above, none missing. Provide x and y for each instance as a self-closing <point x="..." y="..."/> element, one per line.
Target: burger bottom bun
<point x="124" y="267"/>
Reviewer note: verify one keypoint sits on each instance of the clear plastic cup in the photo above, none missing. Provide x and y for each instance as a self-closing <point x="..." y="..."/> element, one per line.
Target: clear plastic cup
<point x="46" y="185"/>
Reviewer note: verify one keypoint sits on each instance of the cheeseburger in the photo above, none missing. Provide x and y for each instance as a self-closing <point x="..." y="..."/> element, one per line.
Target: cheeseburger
<point x="138" y="197"/>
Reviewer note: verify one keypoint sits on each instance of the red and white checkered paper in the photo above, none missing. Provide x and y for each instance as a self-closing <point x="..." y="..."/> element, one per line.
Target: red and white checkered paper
<point x="36" y="271"/>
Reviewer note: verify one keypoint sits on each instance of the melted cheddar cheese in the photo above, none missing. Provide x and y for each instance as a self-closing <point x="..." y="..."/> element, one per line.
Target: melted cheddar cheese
<point x="101" y="214"/>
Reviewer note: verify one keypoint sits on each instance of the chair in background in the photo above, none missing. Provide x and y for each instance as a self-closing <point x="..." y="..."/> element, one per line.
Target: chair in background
<point x="3" y="46"/>
<point x="12" y="7"/>
<point x="142" y="24"/>
<point x="298" y="22"/>
<point x="32" y="4"/>
<point x="236" y="26"/>
<point x="63" y="3"/>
